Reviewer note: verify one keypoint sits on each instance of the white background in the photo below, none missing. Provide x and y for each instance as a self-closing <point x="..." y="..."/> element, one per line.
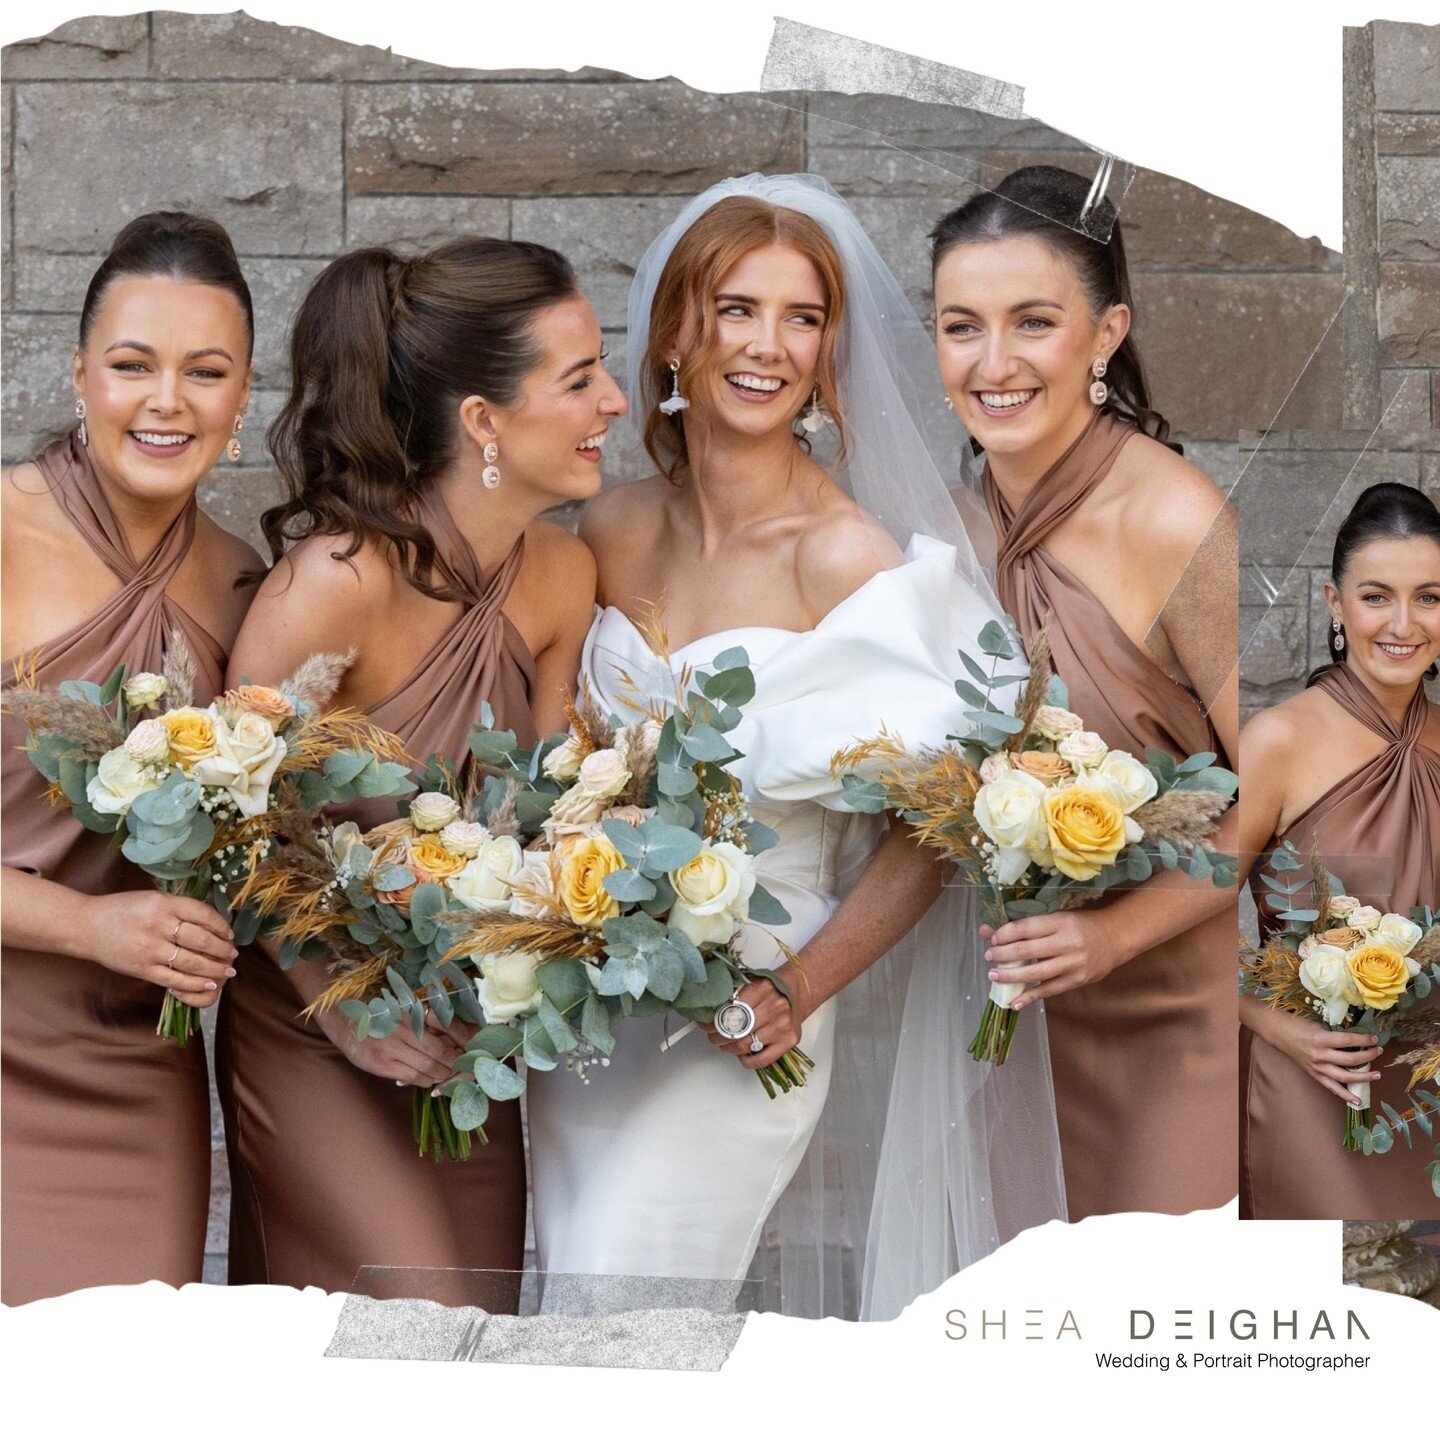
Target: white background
<point x="1241" y="99"/>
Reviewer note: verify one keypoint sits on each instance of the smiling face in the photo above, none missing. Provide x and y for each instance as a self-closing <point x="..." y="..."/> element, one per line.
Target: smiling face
<point x="1389" y="603"/>
<point x="163" y="373"/>
<point x="550" y="438"/>
<point x="769" y="313"/>
<point x="1015" y="339"/>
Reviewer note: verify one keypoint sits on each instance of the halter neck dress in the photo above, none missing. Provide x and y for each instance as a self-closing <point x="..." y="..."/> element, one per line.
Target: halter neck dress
<point x="1378" y="829"/>
<point x="1143" y="1059"/>
<point x="325" y="1177"/>
<point x="106" y="1174"/>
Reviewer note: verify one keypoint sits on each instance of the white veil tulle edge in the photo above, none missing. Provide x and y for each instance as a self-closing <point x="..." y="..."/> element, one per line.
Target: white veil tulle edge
<point x="924" y="1161"/>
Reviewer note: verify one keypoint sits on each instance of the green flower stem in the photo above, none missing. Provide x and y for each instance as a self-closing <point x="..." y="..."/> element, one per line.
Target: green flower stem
<point x="1356" y="1120"/>
<point x="997" y="1030"/>
<point x="787" y="1073"/>
<point x="179" y="1021"/>
<point x="431" y="1123"/>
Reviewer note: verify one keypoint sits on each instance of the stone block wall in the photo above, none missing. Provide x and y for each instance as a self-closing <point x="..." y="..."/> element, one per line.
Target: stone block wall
<point x="305" y="146"/>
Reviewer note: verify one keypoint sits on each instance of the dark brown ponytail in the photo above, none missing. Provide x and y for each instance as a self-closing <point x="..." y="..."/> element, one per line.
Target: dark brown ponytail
<point x="382" y="351"/>
<point x="1047" y="202"/>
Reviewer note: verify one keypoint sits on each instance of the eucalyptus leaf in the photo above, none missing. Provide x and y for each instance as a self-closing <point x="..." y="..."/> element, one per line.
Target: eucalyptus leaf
<point x="595" y="1025"/>
<point x="765" y="909"/>
<point x="629" y="886"/>
<point x="469" y="1106"/>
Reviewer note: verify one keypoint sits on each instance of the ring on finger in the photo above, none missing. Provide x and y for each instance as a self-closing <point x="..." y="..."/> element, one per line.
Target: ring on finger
<point x="174" y="956"/>
<point x="175" y="933"/>
<point x="756" y="1044"/>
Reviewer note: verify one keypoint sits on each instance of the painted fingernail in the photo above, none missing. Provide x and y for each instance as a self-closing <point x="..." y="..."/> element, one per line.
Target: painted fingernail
<point x="994" y="974"/>
<point x="210" y="985"/>
<point x="231" y="972"/>
<point x="234" y="954"/>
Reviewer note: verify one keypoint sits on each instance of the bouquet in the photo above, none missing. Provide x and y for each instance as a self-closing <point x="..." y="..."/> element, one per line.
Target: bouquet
<point x="192" y="795"/>
<point x="1037" y="812"/>
<point x="556" y="888"/>
<point x="1345" y="965"/>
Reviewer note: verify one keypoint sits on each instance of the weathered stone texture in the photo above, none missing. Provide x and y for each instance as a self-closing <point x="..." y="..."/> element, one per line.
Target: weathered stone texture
<point x="1409" y="313"/>
<point x="1407" y="134"/>
<point x="1409" y="207"/>
<point x="263" y="159"/>
<point x="37" y="390"/>
<point x="539" y="139"/>
<point x="234" y="497"/>
<point x="1407" y="66"/>
<point x="411" y="223"/>
<point x="99" y="47"/>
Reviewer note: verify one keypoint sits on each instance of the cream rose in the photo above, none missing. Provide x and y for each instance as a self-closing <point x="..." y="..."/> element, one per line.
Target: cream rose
<point x="1130" y="782"/>
<point x="1364" y="918"/>
<point x="712" y="893"/>
<point x="563" y="762"/>
<point x="508" y="987"/>
<point x="1054" y="723"/>
<point x="1341" y="906"/>
<point x="1404" y="934"/>
<point x="1084" y="749"/>
<point x="1324" y="973"/>
<point x="484" y="883"/>
<point x="148" y="743"/>
<point x="1008" y="810"/>
<point x="433" y="810"/>
<point x="992" y="767"/>
<point x="119" y="779"/>
<point x="533" y="886"/>
<point x="246" y="758"/>
<point x="144" y="690"/>
<point x="603" y="774"/>
<point x="573" y="811"/>
<point x="464" y="837"/>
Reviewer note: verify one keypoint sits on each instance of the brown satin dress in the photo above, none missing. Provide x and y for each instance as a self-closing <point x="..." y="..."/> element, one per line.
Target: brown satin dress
<point x="106" y="1176"/>
<point x="1144" y="1059"/>
<point x="325" y="1178"/>
<point x="1378" y="829"/>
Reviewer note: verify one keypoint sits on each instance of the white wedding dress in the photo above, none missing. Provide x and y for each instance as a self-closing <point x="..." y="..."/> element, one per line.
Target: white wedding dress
<point x="668" y="1163"/>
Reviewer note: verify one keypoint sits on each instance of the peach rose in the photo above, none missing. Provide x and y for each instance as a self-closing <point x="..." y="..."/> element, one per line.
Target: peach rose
<point x="1046" y="767"/>
<point x="259" y="700"/>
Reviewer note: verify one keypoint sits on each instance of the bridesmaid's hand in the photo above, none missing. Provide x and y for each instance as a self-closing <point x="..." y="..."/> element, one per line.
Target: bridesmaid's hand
<point x="776" y="1023"/>
<point x="1050" y="954"/>
<point x="1326" y="1056"/>
<point x="172" y="941"/>
<point x="399" y="1056"/>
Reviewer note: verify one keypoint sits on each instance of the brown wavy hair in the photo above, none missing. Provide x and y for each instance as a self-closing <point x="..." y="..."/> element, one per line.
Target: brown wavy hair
<point x="382" y="352"/>
<point x="1047" y="202"/>
<point x="682" y="309"/>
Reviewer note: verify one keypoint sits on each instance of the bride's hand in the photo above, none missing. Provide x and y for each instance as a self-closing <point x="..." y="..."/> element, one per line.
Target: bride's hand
<point x="1050" y="954"/>
<point x="776" y="1023"/>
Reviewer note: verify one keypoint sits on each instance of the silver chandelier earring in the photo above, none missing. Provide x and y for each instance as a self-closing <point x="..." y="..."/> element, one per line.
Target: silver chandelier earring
<point x="1339" y="630"/>
<point x="490" y="475"/>
<point x="233" y="447"/>
<point x="80" y="416"/>
<point x="1099" y="391"/>
<point x="677" y="401"/>
<point x="816" y="415"/>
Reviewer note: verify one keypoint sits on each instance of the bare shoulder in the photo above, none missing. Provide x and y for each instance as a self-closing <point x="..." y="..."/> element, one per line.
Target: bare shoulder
<point x="559" y="567"/>
<point x="838" y="552"/>
<point x="315" y="575"/>
<point x="1173" y="502"/>
<point x="1275" y="734"/>
<point x="627" y="513"/>
<point x="25" y="499"/>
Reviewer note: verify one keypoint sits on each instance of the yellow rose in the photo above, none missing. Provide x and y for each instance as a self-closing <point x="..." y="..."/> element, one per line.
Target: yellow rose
<point x="1380" y="974"/>
<point x="1044" y="765"/>
<point x="431" y="861"/>
<point x="582" y="880"/>
<point x="192" y="735"/>
<point x="1086" y="829"/>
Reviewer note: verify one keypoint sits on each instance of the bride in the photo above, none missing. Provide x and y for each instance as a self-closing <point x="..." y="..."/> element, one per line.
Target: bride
<point x="762" y="317"/>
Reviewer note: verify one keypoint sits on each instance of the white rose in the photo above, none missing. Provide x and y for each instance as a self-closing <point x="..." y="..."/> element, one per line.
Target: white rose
<point x="464" y="837"/>
<point x="148" y="743"/>
<point x="484" y="884"/>
<point x="1130" y="782"/>
<point x="563" y="762"/>
<point x="246" y="758"/>
<point x="573" y="811"/>
<point x="433" y="810"/>
<point x="507" y="987"/>
<point x="1054" y="723"/>
<point x="1363" y="918"/>
<point x="603" y="774"/>
<point x="712" y="893"/>
<point x="1307" y="946"/>
<point x="1008" y="865"/>
<point x="992" y="767"/>
<point x="1325" y="975"/>
<point x="1084" y="749"/>
<point x="1342" y="906"/>
<point x="1008" y="810"/>
<point x="1400" y="931"/>
<point x="119" y="780"/>
<point x="533" y="884"/>
<point x="143" y="690"/>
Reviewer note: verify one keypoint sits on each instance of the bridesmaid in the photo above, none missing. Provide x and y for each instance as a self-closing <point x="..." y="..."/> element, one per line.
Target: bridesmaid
<point x="1351" y="764"/>
<point x="439" y="405"/>
<point x="106" y="1125"/>
<point x="1129" y="551"/>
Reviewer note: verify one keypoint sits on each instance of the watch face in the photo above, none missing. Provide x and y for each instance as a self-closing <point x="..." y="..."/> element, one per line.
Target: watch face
<point x="735" y="1020"/>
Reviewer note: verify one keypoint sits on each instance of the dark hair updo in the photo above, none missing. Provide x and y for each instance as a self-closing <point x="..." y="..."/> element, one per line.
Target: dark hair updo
<point x="1383" y="512"/>
<point x="382" y="352"/>
<point x="1048" y="202"/>
<point x="174" y="245"/>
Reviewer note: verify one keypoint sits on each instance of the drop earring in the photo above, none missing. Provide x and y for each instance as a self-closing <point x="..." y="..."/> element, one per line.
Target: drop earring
<point x="949" y="403"/>
<point x="490" y="476"/>
<point x="677" y="401"/>
<point x="1339" y="630"/>
<point x="80" y="416"/>
<point x="816" y="415"/>
<point x="1099" y="391"/>
<point x="233" y="447"/>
